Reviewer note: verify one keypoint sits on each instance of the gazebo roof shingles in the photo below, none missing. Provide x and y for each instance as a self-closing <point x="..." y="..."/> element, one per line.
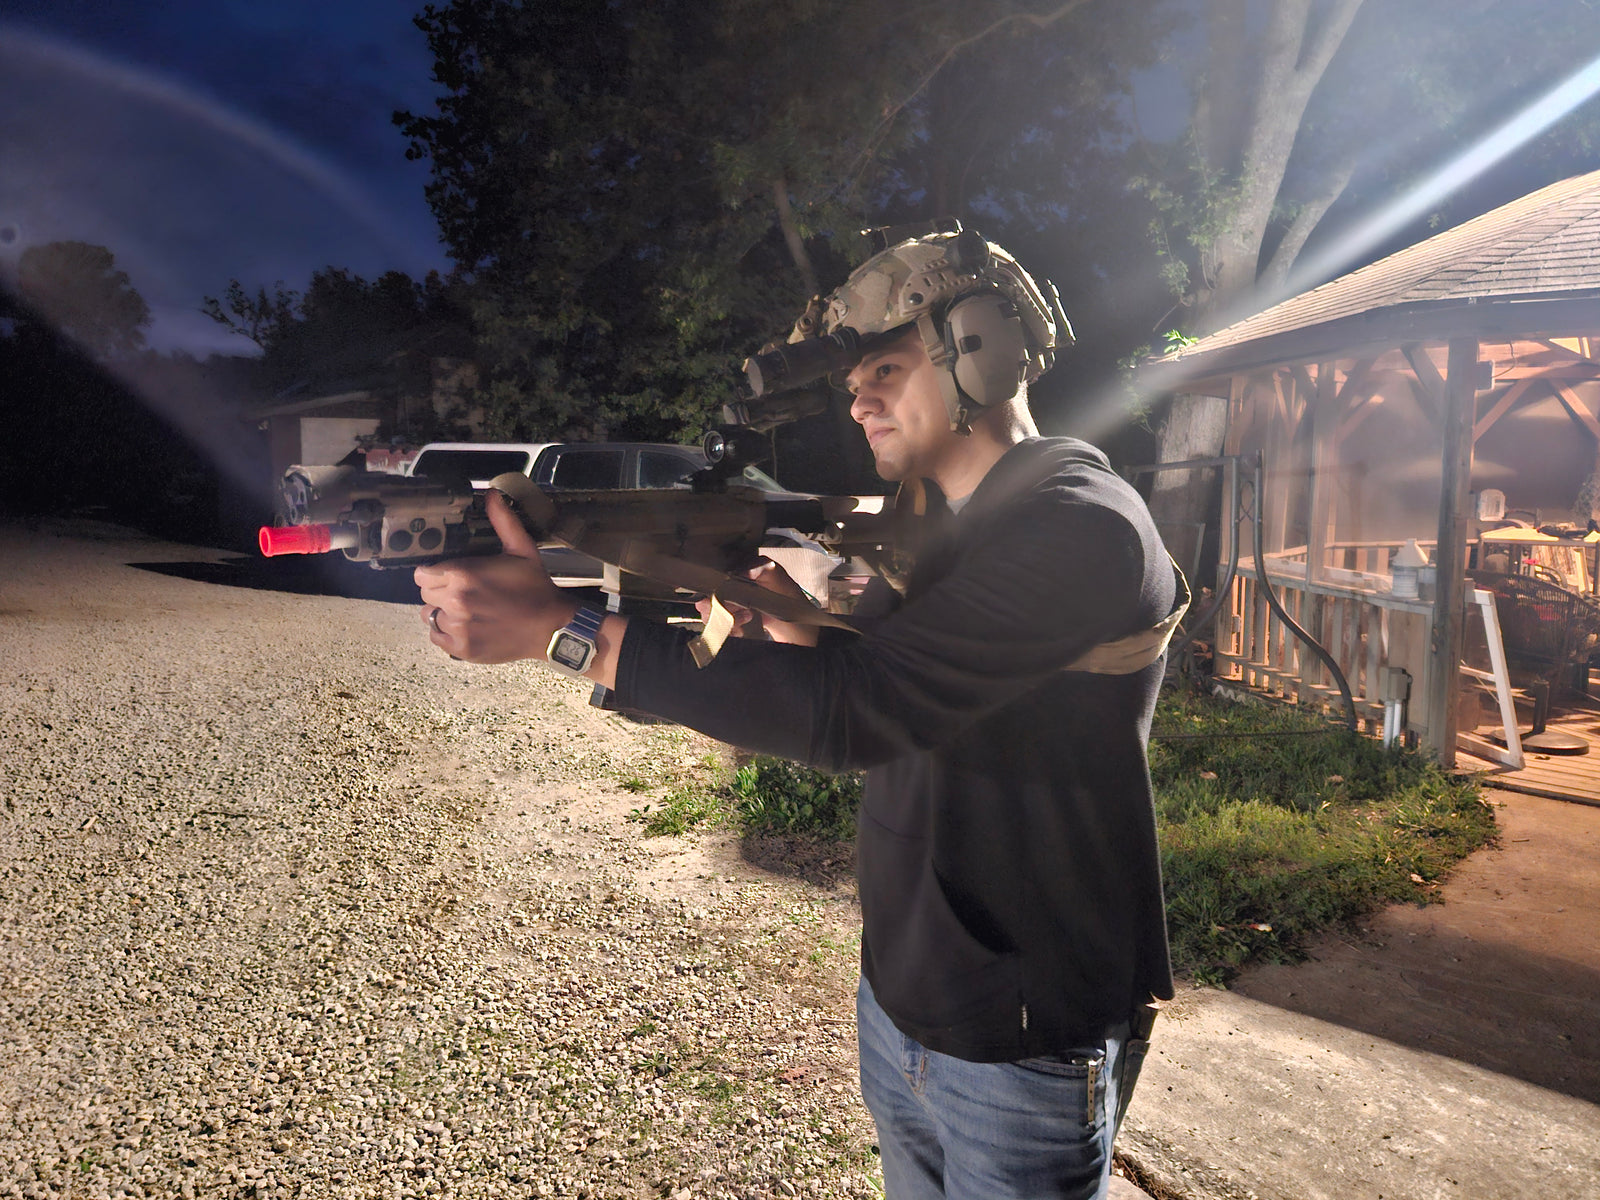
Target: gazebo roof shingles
<point x="1545" y="244"/>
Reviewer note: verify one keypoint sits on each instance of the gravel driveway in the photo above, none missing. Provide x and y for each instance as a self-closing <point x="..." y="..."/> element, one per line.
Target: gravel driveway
<point x="291" y="905"/>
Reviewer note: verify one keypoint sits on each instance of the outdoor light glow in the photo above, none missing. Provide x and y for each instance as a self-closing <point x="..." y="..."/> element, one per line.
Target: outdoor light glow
<point x="1472" y="162"/>
<point x="1107" y="410"/>
<point x="185" y="191"/>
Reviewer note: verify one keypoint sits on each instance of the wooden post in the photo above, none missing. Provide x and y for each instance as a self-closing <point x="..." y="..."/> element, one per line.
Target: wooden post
<point x="1277" y="439"/>
<point x="1450" y="556"/>
<point x="1325" y="416"/>
<point x="1237" y="420"/>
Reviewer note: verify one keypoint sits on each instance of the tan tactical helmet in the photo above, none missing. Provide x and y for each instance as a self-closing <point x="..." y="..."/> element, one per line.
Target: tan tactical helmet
<point x="982" y="318"/>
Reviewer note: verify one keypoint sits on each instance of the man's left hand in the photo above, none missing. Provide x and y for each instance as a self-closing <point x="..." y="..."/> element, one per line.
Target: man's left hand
<point x="775" y="579"/>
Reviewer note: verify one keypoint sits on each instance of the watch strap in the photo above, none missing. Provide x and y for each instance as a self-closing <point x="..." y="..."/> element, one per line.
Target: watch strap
<point x="586" y="622"/>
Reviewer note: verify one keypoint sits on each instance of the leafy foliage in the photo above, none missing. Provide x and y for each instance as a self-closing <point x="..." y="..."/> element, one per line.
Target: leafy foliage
<point x="695" y="796"/>
<point x="1308" y="103"/>
<point x="682" y="808"/>
<point x="265" y="319"/>
<point x="348" y="333"/>
<point x="575" y="179"/>
<point x="634" y="229"/>
<point x="764" y="794"/>
<point x="773" y="795"/>
<point x="78" y="288"/>
<point x="1274" y="826"/>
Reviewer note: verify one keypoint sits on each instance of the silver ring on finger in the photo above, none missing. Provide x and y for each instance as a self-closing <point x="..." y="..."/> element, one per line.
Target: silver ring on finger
<point x="433" y="620"/>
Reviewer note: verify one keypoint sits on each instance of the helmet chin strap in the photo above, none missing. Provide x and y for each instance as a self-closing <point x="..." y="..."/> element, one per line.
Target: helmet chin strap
<point x="958" y="406"/>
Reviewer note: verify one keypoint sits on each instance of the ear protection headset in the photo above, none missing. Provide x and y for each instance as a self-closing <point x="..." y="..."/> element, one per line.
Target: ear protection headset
<point x="988" y="350"/>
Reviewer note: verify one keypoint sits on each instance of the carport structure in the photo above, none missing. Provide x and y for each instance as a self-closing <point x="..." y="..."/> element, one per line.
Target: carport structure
<point x="1383" y="404"/>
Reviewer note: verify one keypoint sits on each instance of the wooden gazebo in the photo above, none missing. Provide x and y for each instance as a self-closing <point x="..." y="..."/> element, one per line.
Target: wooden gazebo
<point x="1399" y="403"/>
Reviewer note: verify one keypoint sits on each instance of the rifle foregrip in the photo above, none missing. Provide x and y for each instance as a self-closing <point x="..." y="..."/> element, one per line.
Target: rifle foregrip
<point x="527" y="499"/>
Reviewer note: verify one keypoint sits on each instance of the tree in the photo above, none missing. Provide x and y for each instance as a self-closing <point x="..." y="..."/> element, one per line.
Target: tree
<point x="78" y="288"/>
<point x="633" y="228"/>
<point x="577" y="178"/>
<point x="349" y="334"/>
<point x="1024" y="135"/>
<point x="263" y="319"/>
<point x="343" y="326"/>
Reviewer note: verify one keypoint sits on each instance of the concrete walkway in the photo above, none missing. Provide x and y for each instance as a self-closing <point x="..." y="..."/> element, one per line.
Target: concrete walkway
<point x="1450" y="1051"/>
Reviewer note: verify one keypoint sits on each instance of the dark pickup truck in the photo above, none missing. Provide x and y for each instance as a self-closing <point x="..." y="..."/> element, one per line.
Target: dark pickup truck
<point x="585" y="467"/>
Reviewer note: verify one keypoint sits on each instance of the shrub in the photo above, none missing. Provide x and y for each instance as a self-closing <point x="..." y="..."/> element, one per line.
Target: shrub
<point x="776" y="796"/>
<point x="1273" y="825"/>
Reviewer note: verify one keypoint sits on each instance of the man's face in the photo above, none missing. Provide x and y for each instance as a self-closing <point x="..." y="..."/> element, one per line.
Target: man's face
<point x="899" y="407"/>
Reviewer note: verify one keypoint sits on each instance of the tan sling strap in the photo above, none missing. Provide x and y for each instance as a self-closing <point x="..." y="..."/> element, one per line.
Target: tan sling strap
<point x="1126" y="655"/>
<point x="1134" y="652"/>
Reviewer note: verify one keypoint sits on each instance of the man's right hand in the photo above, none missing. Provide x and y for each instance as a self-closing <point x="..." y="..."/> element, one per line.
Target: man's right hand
<point x="497" y="609"/>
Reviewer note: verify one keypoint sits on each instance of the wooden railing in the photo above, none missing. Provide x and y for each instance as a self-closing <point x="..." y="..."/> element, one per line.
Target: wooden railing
<point x="1361" y="625"/>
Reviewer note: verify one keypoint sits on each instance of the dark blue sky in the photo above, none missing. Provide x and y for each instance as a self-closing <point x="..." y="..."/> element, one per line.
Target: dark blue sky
<point x="203" y="140"/>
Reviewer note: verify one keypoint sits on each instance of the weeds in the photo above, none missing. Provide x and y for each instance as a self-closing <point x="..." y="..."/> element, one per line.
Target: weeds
<point x="775" y="796"/>
<point x="683" y="809"/>
<point x="696" y="797"/>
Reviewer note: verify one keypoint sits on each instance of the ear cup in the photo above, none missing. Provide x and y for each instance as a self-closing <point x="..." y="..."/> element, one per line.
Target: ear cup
<point x="985" y="335"/>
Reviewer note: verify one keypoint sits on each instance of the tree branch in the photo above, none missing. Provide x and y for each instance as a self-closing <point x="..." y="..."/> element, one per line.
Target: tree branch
<point x="1310" y="214"/>
<point x="1293" y="62"/>
<point x="1327" y="39"/>
<point x="791" y="235"/>
<point x="1219" y="100"/>
<point x="1279" y="58"/>
<point x="892" y="113"/>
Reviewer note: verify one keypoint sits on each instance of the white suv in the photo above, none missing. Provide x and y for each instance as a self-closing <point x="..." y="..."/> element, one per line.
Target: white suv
<point x="564" y="466"/>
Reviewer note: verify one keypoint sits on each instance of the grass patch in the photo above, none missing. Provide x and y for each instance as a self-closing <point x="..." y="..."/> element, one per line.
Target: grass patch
<point x="682" y="809"/>
<point x="697" y="796"/>
<point x="761" y="794"/>
<point x="827" y="945"/>
<point x="1275" y="826"/>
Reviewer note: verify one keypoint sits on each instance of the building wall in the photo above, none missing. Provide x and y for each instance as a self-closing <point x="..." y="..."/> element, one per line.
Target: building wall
<point x="325" y="440"/>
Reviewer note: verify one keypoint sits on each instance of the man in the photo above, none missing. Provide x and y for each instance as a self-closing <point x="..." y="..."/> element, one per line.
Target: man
<point x="1007" y="860"/>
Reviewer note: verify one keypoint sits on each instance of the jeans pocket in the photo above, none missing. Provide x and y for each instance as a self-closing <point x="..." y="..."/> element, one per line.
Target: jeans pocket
<point x="1088" y="1065"/>
<point x="1070" y="1065"/>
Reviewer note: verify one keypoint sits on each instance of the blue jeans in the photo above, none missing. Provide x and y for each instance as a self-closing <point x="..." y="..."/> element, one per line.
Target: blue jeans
<point x="1040" y="1129"/>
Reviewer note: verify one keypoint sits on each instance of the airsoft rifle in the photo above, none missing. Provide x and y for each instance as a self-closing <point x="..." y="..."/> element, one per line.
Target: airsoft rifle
<point x="659" y="544"/>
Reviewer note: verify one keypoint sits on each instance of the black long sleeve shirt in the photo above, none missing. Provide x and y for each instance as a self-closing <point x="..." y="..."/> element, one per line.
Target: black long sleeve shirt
<point x="1009" y="873"/>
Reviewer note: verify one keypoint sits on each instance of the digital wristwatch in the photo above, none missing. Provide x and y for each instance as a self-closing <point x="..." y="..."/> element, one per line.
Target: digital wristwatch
<point x="572" y="647"/>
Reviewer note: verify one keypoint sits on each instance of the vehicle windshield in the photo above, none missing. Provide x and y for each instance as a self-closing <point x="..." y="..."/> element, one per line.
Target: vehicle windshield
<point x="464" y="466"/>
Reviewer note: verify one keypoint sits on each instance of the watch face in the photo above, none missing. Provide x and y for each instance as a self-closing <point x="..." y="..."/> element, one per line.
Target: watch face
<point x="570" y="651"/>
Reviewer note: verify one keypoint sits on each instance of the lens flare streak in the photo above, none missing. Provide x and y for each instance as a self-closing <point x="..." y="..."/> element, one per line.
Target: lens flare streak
<point x="1476" y="159"/>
